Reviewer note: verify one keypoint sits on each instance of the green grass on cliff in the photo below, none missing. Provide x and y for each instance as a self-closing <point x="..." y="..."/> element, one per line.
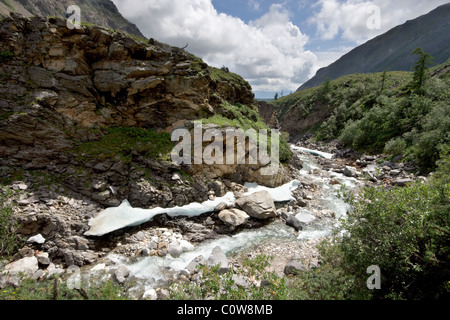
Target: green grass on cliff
<point x="123" y="142"/>
<point x="245" y="118"/>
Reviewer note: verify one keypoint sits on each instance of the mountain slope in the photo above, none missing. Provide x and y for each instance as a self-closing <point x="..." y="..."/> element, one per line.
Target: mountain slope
<point x="99" y="12"/>
<point x="377" y="112"/>
<point x="393" y="49"/>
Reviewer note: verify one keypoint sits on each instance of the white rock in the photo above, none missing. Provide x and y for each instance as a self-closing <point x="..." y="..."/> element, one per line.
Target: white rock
<point x="37" y="239"/>
<point x="99" y="267"/>
<point x="174" y="249"/>
<point x="150" y="294"/>
<point x="28" y="266"/>
<point x="186" y="246"/>
<point x="52" y="269"/>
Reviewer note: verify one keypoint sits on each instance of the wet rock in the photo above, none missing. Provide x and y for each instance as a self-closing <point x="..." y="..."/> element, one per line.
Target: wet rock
<point x="305" y="216"/>
<point x="293" y="222"/>
<point x="174" y="249"/>
<point x="186" y="246"/>
<point x="194" y="264"/>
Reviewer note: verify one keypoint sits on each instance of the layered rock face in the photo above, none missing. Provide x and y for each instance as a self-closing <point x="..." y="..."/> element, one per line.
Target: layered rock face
<point x="63" y="88"/>
<point x="60" y="79"/>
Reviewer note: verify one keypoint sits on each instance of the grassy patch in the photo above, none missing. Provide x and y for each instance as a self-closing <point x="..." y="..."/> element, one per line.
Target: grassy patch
<point x="238" y="116"/>
<point x="9" y="240"/>
<point x="6" y="55"/>
<point x="222" y="75"/>
<point x="124" y="141"/>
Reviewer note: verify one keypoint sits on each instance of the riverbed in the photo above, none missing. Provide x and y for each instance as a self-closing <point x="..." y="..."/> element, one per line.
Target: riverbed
<point x="323" y="213"/>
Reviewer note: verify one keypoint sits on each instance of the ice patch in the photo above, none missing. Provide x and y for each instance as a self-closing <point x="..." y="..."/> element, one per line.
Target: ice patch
<point x="314" y="152"/>
<point x="279" y="194"/>
<point x="112" y="219"/>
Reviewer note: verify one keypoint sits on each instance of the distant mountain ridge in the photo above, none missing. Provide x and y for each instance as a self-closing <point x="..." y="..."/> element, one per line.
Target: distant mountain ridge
<point x="99" y="12"/>
<point x="392" y="50"/>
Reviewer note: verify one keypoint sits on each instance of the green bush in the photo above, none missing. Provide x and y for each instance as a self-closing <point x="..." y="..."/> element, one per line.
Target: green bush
<point x="405" y="232"/>
<point x="395" y="147"/>
<point x="57" y="289"/>
<point x="9" y="240"/>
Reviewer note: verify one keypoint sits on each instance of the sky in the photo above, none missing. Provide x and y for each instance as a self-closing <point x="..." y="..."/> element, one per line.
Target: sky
<point x="275" y="45"/>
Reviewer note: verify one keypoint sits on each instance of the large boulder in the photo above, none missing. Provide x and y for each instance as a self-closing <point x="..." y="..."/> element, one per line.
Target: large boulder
<point x="259" y="205"/>
<point x="27" y="266"/>
<point x="234" y="217"/>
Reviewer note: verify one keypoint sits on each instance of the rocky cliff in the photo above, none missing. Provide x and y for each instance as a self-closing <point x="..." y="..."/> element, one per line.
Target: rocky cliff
<point x="63" y="90"/>
<point x="85" y="122"/>
<point x="99" y="12"/>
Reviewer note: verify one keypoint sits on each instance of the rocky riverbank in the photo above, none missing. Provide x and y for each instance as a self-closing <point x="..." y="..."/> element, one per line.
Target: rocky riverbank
<point x="53" y="220"/>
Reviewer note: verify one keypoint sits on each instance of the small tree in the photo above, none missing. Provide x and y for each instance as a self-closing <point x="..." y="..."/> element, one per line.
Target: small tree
<point x="383" y="80"/>
<point x="420" y="69"/>
<point x="276" y="96"/>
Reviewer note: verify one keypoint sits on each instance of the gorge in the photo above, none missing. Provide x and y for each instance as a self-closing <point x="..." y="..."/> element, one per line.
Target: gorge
<point x="90" y="194"/>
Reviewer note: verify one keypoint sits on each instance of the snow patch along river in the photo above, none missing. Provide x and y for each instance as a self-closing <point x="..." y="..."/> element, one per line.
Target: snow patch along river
<point x="154" y="269"/>
<point x="125" y="215"/>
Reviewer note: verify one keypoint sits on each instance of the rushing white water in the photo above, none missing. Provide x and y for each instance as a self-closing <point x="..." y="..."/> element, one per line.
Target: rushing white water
<point x="156" y="269"/>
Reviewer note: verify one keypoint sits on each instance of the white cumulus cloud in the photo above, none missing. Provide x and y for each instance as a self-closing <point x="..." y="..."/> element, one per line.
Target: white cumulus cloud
<point x="268" y="52"/>
<point x="353" y="19"/>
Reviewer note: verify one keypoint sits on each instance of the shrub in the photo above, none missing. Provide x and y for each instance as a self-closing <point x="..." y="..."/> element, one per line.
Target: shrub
<point x="57" y="289"/>
<point x="9" y="240"/>
<point x="395" y="147"/>
<point x="404" y="231"/>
